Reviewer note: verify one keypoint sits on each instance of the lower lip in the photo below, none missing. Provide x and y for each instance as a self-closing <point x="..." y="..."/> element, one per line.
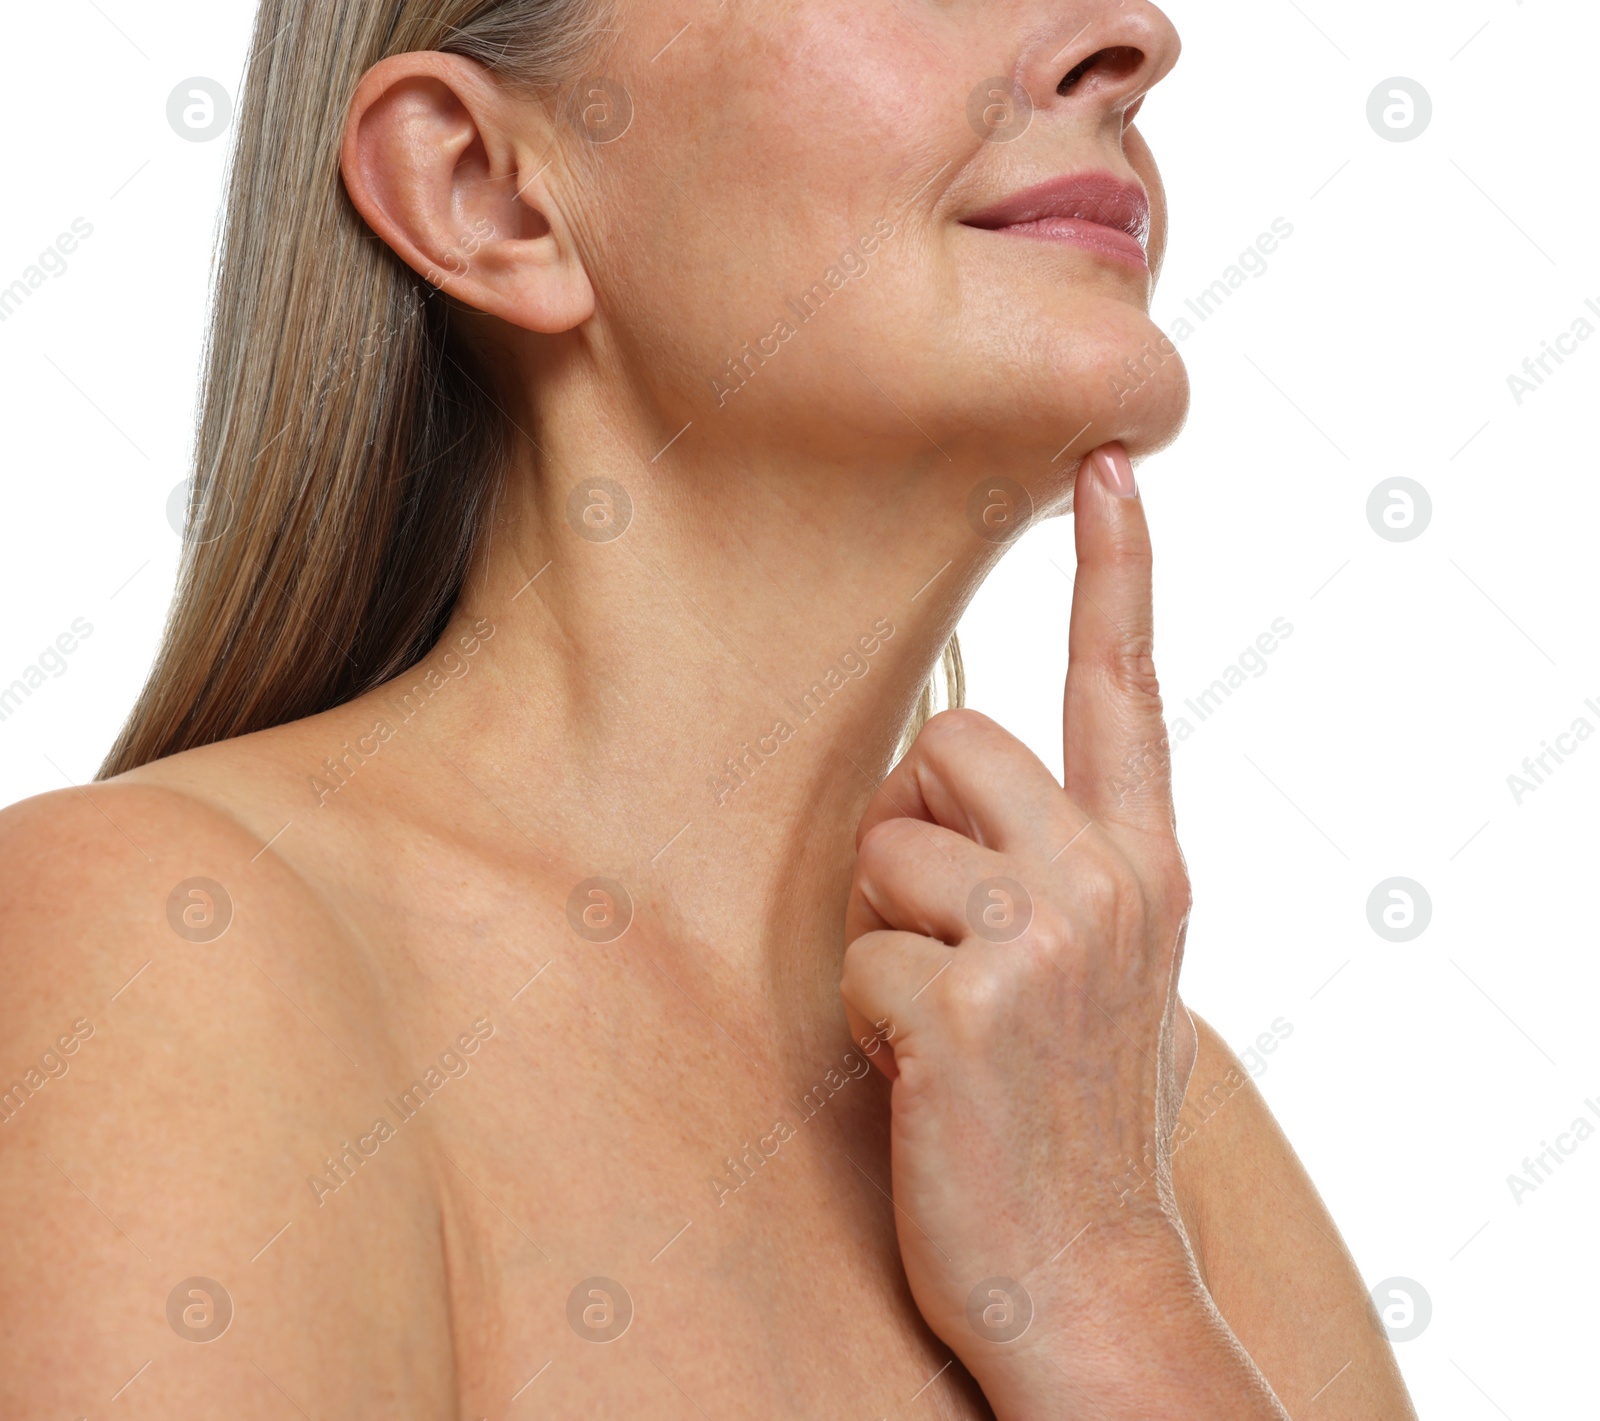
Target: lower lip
<point x="1094" y="236"/>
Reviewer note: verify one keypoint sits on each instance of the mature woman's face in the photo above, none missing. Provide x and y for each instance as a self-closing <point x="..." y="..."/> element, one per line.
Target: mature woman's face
<point x="799" y="241"/>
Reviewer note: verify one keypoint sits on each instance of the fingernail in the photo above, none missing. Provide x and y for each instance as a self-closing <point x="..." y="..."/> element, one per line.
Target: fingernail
<point x="1116" y="469"/>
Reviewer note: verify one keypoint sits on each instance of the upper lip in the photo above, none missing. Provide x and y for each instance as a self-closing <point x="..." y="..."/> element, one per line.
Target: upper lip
<point x="1101" y="198"/>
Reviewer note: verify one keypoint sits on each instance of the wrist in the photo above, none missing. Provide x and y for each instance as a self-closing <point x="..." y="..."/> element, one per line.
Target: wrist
<point x="1141" y="1339"/>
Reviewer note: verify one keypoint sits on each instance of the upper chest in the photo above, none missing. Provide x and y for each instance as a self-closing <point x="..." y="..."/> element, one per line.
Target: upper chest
<point x="533" y="1172"/>
<point x="769" y="1288"/>
<point x="647" y="1195"/>
<point x="646" y="1207"/>
<point x="630" y="1225"/>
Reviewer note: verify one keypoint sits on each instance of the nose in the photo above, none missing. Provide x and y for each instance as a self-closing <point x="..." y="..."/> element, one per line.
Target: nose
<point x="1107" y="64"/>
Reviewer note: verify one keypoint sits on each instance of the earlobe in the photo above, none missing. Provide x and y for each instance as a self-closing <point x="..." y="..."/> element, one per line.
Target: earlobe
<point x="433" y="158"/>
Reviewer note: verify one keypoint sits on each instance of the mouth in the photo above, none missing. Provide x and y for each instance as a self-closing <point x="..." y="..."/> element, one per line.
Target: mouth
<point x="1097" y="211"/>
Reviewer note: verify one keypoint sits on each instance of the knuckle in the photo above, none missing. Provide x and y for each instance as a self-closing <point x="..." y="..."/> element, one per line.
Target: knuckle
<point x="884" y="845"/>
<point x="1127" y="551"/>
<point x="959" y="725"/>
<point x="966" y="736"/>
<point x="959" y="718"/>
<point x="981" y="995"/>
<point x="1047" y="967"/>
<point x="859" y="971"/>
<point x="1145" y="774"/>
<point x="1111" y="891"/>
<point x="1167" y="880"/>
<point x="1129" y="664"/>
<point x="1050" y="933"/>
<point x="1132" y="551"/>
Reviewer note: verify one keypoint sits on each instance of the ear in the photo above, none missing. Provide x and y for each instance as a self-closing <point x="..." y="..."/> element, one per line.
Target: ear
<point x="443" y="165"/>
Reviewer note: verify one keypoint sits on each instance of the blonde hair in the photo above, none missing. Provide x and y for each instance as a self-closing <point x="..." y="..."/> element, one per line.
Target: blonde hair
<point x="348" y="447"/>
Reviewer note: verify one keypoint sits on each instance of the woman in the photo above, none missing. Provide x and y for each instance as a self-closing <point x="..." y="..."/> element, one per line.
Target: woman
<point x="610" y="409"/>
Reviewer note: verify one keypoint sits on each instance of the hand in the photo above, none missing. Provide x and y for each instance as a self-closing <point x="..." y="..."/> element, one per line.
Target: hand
<point x="1015" y="946"/>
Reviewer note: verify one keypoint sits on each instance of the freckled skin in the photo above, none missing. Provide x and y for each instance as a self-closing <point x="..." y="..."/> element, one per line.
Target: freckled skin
<point x="586" y="1220"/>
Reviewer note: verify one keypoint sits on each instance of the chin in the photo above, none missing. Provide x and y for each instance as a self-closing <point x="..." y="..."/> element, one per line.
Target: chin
<point x="1049" y="367"/>
<point x="1159" y="416"/>
<point x="1134" y="384"/>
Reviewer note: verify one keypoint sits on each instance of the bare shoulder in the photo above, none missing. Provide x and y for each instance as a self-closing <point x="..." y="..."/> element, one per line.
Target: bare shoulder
<point x="185" y="1038"/>
<point x="1270" y="1252"/>
<point x="120" y="875"/>
<point x="84" y="882"/>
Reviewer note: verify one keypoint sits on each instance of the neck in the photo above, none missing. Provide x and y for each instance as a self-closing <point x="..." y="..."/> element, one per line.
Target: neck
<point x="700" y="670"/>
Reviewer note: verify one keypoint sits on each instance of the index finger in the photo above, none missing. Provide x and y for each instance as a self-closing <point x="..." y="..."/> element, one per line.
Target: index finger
<point x="1116" y="752"/>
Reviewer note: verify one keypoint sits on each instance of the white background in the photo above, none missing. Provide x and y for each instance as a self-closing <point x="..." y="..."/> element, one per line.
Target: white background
<point x="1376" y="744"/>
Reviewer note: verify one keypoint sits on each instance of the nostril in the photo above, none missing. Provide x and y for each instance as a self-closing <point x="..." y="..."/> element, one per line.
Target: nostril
<point x="1113" y="64"/>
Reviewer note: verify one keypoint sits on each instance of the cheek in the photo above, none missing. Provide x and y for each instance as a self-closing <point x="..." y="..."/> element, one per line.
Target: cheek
<point x="750" y="170"/>
<point x="770" y="150"/>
